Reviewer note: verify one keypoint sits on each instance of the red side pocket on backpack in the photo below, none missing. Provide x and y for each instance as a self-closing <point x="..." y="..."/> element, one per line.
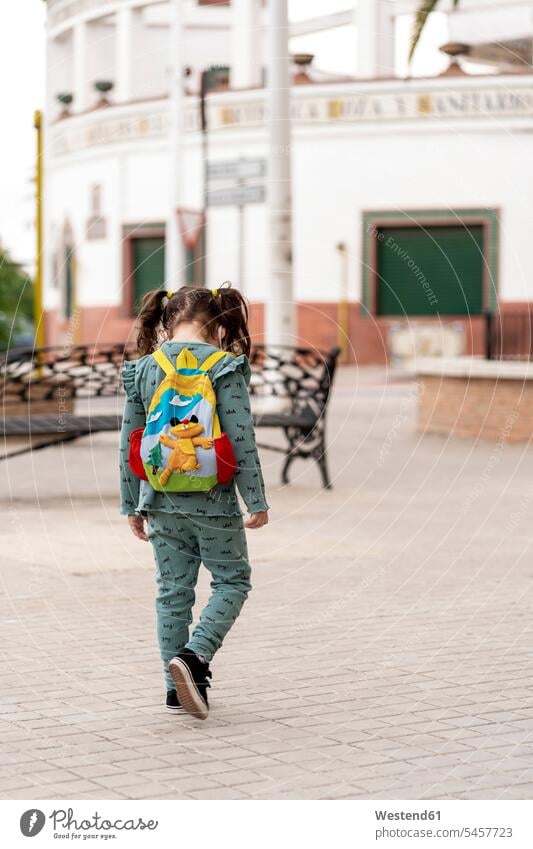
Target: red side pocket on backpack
<point x="134" y="455"/>
<point x="226" y="463"/>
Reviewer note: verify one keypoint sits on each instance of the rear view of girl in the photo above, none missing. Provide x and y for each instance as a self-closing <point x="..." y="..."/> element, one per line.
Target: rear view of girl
<point x="187" y="402"/>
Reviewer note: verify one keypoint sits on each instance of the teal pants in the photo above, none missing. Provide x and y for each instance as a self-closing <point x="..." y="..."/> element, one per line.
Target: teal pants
<point x="181" y="544"/>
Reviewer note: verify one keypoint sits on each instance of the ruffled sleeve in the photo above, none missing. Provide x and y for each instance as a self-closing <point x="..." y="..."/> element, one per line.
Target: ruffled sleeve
<point x="133" y="417"/>
<point x="129" y="380"/>
<point x="233" y="408"/>
<point x="230" y="365"/>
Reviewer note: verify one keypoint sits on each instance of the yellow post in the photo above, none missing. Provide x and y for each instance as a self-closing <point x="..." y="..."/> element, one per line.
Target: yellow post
<point x="38" y="286"/>
<point x="343" y="316"/>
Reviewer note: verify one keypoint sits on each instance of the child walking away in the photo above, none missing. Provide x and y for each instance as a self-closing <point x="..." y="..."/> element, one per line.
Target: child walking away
<point x="187" y="438"/>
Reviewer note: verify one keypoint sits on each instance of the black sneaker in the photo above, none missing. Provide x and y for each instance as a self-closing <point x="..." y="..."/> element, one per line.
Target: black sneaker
<point x="173" y="703"/>
<point x="190" y="676"/>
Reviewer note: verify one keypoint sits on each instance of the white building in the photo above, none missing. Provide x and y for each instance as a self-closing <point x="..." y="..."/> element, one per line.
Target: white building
<point x="425" y="181"/>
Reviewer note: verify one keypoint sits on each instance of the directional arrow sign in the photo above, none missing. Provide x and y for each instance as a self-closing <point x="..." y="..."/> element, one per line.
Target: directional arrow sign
<point x="236" y="196"/>
<point x="237" y="169"/>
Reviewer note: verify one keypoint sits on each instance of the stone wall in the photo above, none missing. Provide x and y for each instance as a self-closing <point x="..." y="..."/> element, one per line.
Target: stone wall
<point x="488" y="408"/>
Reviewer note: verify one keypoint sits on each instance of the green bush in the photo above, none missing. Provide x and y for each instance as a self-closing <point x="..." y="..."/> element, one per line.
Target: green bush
<point x="16" y="303"/>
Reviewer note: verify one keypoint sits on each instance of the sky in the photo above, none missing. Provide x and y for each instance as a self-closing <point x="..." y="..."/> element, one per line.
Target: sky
<point x="22" y="91"/>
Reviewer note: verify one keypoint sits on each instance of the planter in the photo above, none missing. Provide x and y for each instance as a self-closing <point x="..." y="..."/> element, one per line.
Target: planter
<point x="65" y="98"/>
<point x="103" y="87"/>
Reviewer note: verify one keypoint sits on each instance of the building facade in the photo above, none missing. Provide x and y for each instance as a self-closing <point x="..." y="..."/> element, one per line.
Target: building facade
<point x="410" y="203"/>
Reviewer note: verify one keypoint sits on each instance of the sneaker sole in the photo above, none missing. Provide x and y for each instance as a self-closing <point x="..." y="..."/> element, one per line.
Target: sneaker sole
<point x="188" y="693"/>
<point x="179" y="710"/>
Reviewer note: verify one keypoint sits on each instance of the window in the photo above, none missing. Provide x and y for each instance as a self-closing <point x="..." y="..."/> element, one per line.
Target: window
<point x="430" y="264"/>
<point x="143" y="264"/>
<point x="148" y="265"/>
<point x="430" y="270"/>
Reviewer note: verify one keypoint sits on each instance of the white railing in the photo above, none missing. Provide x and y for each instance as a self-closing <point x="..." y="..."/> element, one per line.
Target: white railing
<point x="504" y="101"/>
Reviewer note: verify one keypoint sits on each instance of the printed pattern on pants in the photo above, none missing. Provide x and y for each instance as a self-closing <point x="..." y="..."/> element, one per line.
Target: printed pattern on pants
<point x="181" y="544"/>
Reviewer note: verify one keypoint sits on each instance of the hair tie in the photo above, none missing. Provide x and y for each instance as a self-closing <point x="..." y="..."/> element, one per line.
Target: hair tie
<point x="215" y="293"/>
<point x="169" y="294"/>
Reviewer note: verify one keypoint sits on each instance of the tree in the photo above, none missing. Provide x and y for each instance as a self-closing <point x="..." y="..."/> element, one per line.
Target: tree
<point x="155" y="458"/>
<point x="426" y="8"/>
<point x="16" y="301"/>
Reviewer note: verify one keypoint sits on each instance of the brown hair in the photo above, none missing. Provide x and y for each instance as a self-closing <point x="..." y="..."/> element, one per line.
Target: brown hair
<point x="222" y="308"/>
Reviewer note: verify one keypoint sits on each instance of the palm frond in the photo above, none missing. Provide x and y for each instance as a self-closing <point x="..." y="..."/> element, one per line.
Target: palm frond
<point x="426" y="8"/>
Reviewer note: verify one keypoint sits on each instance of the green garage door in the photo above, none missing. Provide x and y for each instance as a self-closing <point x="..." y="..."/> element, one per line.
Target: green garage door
<point x="148" y="266"/>
<point x="430" y="271"/>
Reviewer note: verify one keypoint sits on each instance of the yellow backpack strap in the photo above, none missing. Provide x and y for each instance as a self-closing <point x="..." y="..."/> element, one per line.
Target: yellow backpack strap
<point x="163" y="362"/>
<point x="213" y="359"/>
<point x="186" y="359"/>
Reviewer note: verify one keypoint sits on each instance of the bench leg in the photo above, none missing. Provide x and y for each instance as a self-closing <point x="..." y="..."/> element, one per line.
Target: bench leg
<point x="285" y="470"/>
<point x="318" y="454"/>
<point x="323" y="466"/>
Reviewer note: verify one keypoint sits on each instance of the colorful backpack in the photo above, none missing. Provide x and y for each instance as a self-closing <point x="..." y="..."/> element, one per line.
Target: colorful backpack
<point x="181" y="448"/>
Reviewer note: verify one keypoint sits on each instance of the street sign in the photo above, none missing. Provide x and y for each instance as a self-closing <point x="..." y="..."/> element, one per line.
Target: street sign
<point x="237" y="169"/>
<point x="228" y="185"/>
<point x="236" y="196"/>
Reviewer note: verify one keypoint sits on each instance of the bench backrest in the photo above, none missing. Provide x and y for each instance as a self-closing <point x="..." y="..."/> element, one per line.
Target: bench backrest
<point x="59" y="373"/>
<point x="297" y="380"/>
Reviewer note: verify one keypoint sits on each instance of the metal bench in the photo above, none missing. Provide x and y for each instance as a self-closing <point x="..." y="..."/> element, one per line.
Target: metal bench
<point x="39" y="388"/>
<point x="290" y="388"/>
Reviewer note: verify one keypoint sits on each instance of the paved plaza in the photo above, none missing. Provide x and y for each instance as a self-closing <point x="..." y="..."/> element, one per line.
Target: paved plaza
<point x="385" y="651"/>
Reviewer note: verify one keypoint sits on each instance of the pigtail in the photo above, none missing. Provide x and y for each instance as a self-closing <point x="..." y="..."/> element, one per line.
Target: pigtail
<point x="233" y="317"/>
<point x="223" y="308"/>
<point x="149" y="321"/>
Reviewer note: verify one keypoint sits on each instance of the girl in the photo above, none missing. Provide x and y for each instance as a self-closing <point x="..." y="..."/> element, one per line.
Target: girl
<point x="189" y="528"/>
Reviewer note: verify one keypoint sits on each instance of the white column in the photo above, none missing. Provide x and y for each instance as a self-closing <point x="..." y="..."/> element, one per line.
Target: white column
<point x="280" y="318"/>
<point x="174" y="254"/>
<point x="375" y="38"/>
<point x="79" y="56"/>
<point x="245" y="44"/>
<point x="123" y="53"/>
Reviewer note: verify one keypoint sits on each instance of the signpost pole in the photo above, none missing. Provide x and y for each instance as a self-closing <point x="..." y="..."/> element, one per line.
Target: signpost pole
<point x="280" y="324"/>
<point x="174" y="260"/>
<point x="205" y="166"/>
<point x="343" y="308"/>
<point x="228" y="184"/>
<point x="240" y="277"/>
<point x="38" y="314"/>
<point x="241" y="248"/>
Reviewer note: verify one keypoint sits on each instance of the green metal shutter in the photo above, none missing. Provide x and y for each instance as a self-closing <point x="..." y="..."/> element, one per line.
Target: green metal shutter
<point x="148" y="265"/>
<point x="435" y="270"/>
<point x="195" y="263"/>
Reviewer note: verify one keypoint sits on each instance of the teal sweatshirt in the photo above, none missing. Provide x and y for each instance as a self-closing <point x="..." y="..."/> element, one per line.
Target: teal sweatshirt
<point x="230" y="378"/>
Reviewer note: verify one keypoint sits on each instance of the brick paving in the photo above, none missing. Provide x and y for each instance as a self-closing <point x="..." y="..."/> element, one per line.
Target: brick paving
<point x="385" y="652"/>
